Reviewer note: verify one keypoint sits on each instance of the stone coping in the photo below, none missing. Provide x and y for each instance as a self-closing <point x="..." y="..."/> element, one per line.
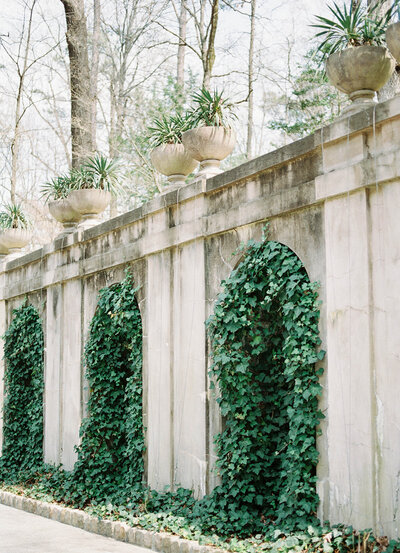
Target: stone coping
<point x="156" y="541"/>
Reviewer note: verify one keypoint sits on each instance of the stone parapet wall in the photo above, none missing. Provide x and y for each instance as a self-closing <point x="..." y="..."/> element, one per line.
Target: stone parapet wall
<point x="334" y="199"/>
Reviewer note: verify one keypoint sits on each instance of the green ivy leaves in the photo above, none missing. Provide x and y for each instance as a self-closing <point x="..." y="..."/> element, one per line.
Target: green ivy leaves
<point x="23" y="404"/>
<point x="110" y="456"/>
<point x="264" y="335"/>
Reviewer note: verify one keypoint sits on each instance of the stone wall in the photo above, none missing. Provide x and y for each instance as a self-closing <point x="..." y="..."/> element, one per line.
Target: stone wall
<point x="334" y="199"/>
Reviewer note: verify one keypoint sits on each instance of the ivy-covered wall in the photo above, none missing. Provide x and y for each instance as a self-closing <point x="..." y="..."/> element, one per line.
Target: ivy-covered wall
<point x="264" y="347"/>
<point x="333" y="199"/>
<point x="23" y="385"/>
<point x="110" y="454"/>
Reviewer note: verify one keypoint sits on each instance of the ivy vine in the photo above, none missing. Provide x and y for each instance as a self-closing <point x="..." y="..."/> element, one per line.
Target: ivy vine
<point x="264" y="335"/>
<point x="23" y="402"/>
<point x="110" y="456"/>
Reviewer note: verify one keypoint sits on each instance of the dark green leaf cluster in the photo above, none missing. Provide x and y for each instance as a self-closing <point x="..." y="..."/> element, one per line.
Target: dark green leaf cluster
<point x="209" y="109"/>
<point x="110" y="456"/>
<point x="264" y="335"/>
<point x="23" y="403"/>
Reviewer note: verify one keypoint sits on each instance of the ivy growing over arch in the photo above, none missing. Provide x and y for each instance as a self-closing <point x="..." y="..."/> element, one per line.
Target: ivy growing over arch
<point x="264" y="336"/>
<point x="23" y="401"/>
<point x="110" y="456"/>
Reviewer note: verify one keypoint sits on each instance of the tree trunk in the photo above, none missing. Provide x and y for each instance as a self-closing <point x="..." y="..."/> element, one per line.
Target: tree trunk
<point x="180" y="73"/>
<point x="81" y="114"/>
<point x="94" y="69"/>
<point x="249" y="149"/>
<point x="209" y="54"/>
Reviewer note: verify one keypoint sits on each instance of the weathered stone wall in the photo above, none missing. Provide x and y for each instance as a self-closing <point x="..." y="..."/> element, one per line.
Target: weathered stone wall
<point x="334" y="199"/>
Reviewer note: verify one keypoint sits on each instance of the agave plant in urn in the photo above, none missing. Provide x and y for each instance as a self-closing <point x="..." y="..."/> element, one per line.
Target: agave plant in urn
<point x="211" y="138"/>
<point x="14" y="233"/>
<point x="168" y="154"/>
<point x="353" y="44"/>
<point x="55" y="193"/>
<point x="97" y="181"/>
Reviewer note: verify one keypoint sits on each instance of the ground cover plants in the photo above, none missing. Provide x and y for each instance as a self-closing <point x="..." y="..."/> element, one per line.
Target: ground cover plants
<point x="264" y="336"/>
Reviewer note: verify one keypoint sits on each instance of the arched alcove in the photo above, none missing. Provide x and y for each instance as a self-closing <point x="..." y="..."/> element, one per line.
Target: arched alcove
<point x="110" y="455"/>
<point x="264" y="337"/>
<point x="23" y="378"/>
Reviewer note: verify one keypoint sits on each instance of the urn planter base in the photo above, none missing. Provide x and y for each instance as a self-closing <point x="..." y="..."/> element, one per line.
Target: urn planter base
<point x="209" y="145"/>
<point x="209" y="168"/>
<point x="173" y="161"/>
<point x="360" y="100"/>
<point x="176" y="181"/>
<point x="393" y="40"/>
<point x="89" y="220"/>
<point x="360" y="72"/>
<point x="13" y="241"/>
<point x="68" y="228"/>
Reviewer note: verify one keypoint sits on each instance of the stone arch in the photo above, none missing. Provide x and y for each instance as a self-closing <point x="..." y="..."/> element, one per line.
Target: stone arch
<point x="264" y="334"/>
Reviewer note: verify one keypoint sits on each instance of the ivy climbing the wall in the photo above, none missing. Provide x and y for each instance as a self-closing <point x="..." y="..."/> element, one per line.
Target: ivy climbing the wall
<point x="23" y="403"/>
<point x="264" y="335"/>
<point x="110" y="456"/>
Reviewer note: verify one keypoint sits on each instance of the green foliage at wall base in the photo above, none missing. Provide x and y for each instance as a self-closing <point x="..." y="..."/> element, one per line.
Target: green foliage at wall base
<point x="23" y="403"/>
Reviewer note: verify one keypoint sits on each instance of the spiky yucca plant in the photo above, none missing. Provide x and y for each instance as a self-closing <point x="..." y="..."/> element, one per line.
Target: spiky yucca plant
<point x="212" y="109"/>
<point x="168" y="129"/>
<point x="100" y="172"/>
<point x="353" y="26"/>
<point x="13" y="216"/>
<point x="58" y="188"/>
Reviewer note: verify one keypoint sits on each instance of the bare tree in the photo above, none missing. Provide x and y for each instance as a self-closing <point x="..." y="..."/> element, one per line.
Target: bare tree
<point x="250" y="115"/>
<point x="81" y="99"/>
<point x="23" y="58"/>
<point x="204" y="14"/>
<point x="206" y="31"/>
<point x="94" y="66"/>
<point x="180" y="73"/>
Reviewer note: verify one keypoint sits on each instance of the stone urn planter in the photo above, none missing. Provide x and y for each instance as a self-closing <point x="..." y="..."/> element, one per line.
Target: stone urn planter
<point x="173" y="161"/>
<point x="209" y="145"/>
<point x="89" y="203"/>
<point x="13" y="240"/>
<point x="359" y="72"/>
<point x="63" y="212"/>
<point x="393" y="40"/>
